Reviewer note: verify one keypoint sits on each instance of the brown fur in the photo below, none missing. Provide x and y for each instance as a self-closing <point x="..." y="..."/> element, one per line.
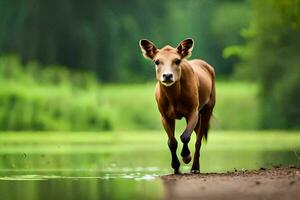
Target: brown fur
<point x="191" y="95"/>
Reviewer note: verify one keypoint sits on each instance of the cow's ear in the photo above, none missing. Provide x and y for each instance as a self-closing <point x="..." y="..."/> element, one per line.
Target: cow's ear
<point x="185" y="47"/>
<point x="148" y="48"/>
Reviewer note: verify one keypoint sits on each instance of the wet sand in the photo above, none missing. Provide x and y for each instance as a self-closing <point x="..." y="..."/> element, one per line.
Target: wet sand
<point x="277" y="183"/>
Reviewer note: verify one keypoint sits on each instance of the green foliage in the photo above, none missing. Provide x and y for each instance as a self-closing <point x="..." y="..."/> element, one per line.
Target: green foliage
<point x="229" y="19"/>
<point x="103" y="36"/>
<point x="33" y="97"/>
<point x="271" y="57"/>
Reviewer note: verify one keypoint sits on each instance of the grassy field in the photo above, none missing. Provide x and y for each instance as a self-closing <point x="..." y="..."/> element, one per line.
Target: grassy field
<point x="115" y="107"/>
<point x="132" y="107"/>
<point x="126" y="141"/>
<point x="53" y="98"/>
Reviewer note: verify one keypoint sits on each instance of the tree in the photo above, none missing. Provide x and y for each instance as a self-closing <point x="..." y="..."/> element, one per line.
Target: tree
<point x="102" y="36"/>
<point x="272" y="57"/>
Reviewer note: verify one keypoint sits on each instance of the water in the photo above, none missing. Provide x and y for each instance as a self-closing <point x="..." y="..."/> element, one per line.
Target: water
<point x="123" y="170"/>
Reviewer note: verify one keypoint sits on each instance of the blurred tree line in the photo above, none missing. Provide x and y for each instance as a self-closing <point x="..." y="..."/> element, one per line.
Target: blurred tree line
<point x="271" y="57"/>
<point x="102" y="36"/>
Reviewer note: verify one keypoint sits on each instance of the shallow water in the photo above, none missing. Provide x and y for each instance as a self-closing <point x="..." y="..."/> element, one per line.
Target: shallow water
<point x="80" y="188"/>
<point x="120" y="171"/>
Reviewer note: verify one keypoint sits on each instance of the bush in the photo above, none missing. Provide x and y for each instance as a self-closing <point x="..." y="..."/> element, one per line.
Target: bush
<point x="52" y="98"/>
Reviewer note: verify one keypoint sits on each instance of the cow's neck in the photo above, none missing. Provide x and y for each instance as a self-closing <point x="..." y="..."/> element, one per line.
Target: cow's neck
<point x="172" y="92"/>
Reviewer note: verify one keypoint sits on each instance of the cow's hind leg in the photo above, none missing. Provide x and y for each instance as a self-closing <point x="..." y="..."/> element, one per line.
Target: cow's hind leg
<point x="195" y="166"/>
<point x="201" y="130"/>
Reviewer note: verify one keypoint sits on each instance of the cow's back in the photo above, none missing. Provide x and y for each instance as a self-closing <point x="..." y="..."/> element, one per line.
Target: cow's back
<point x="205" y="76"/>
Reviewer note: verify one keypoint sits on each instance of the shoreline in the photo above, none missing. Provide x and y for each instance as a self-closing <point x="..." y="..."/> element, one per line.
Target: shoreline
<point x="274" y="183"/>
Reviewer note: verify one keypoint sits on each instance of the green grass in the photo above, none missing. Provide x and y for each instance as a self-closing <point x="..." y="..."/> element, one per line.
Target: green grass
<point x="237" y="106"/>
<point x="124" y="141"/>
<point x="133" y="106"/>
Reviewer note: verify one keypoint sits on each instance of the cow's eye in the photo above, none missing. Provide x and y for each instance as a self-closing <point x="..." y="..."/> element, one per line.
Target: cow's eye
<point x="157" y="62"/>
<point x="177" y="61"/>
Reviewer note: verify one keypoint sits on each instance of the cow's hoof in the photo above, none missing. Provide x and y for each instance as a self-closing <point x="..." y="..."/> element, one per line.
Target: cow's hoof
<point x="187" y="159"/>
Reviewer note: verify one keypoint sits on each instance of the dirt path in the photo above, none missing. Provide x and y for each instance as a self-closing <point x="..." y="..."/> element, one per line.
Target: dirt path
<point x="273" y="184"/>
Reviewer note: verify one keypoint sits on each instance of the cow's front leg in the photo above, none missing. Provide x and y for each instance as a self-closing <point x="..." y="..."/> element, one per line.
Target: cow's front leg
<point x="169" y="126"/>
<point x="186" y="136"/>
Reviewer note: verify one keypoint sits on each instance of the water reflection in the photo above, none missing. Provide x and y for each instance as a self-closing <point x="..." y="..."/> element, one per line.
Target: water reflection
<point x="77" y="188"/>
<point x="57" y="176"/>
<point x="138" y="165"/>
<point x="33" y="171"/>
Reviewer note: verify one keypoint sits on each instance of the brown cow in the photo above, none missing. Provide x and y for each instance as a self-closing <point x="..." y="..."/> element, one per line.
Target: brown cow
<point x="185" y="88"/>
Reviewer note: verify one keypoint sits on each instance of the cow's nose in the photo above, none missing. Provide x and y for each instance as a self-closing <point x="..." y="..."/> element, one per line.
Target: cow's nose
<point x="167" y="77"/>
